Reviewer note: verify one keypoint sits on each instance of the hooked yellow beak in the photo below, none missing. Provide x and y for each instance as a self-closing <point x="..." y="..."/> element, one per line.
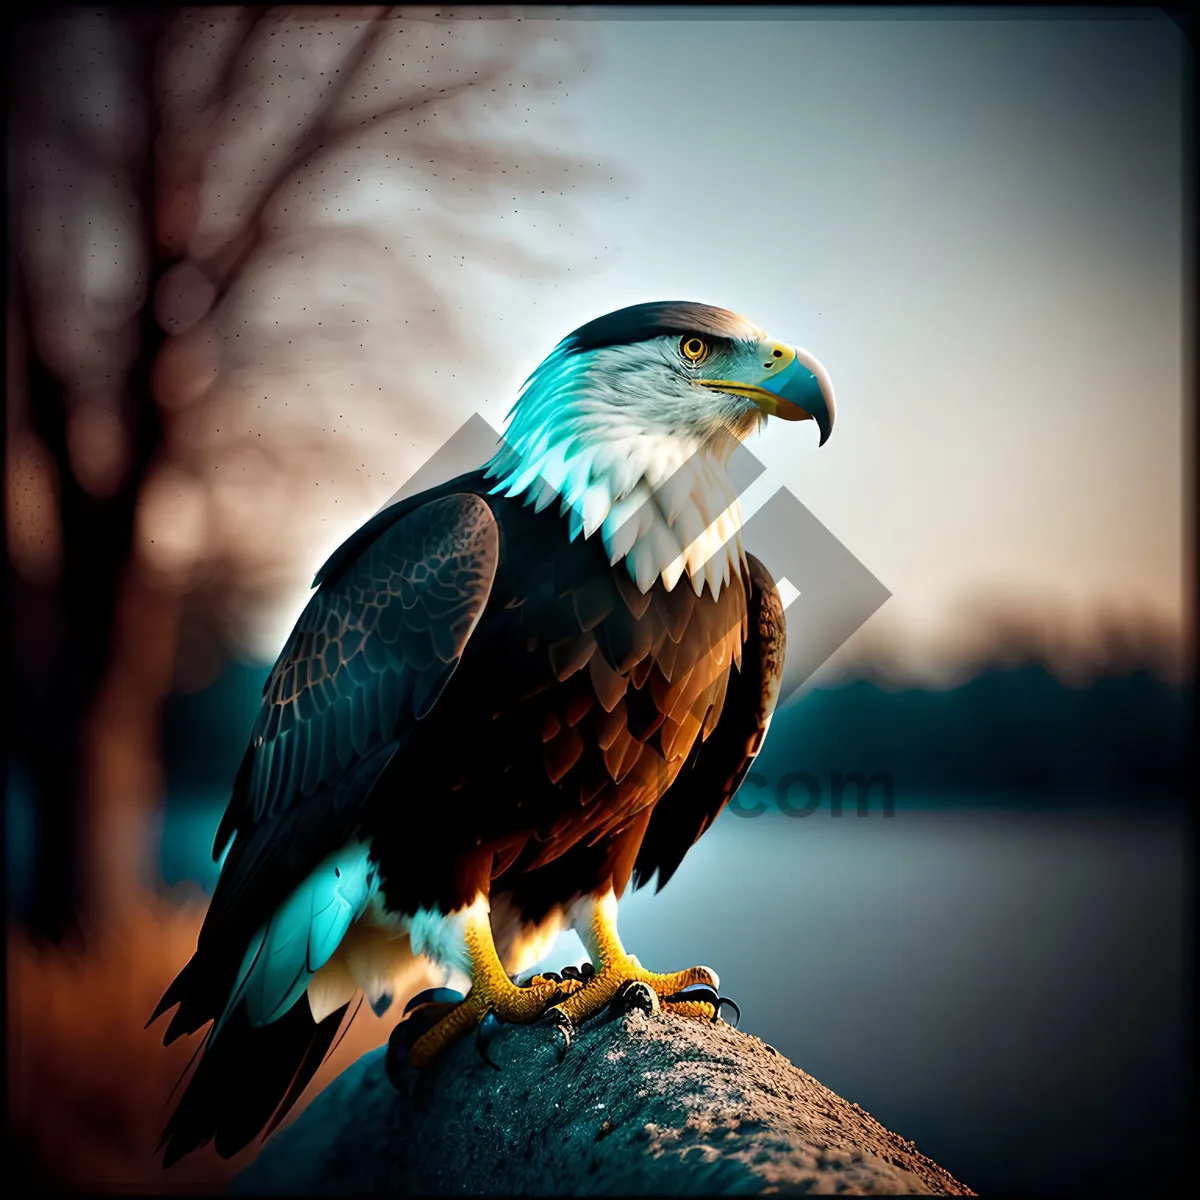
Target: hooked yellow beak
<point x="793" y="386"/>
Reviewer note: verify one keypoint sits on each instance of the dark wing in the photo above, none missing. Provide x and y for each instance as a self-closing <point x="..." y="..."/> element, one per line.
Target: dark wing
<point x="717" y="766"/>
<point x="368" y="659"/>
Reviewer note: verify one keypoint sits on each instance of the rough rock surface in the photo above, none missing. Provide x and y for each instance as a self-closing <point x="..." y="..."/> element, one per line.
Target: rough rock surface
<point x="640" y="1105"/>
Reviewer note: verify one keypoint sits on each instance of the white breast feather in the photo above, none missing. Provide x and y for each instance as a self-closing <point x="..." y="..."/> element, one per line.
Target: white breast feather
<point x="662" y="500"/>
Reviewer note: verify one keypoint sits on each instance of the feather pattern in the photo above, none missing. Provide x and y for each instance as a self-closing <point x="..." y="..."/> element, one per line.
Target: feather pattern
<point x="301" y="936"/>
<point x="717" y="765"/>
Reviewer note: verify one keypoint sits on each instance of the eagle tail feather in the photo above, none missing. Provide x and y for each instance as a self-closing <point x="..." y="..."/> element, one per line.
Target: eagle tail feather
<point x="321" y="1048"/>
<point x="228" y="1105"/>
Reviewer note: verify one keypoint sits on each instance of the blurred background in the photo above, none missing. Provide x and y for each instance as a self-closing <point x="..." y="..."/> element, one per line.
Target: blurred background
<point x="264" y="262"/>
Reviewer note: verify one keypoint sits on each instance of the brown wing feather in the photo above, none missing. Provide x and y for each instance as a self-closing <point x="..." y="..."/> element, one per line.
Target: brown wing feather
<point x="368" y="658"/>
<point x="717" y="766"/>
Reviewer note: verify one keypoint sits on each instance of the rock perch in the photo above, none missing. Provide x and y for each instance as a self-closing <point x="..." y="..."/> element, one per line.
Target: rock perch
<point x="641" y="1104"/>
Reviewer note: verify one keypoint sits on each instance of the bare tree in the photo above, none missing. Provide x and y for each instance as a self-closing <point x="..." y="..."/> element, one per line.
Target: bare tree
<point x="231" y="238"/>
<point x="243" y="246"/>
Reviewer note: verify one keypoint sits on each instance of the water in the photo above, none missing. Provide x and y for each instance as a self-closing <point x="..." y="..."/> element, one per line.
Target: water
<point x="1006" y="988"/>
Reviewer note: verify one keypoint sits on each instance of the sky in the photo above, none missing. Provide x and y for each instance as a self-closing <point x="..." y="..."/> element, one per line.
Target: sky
<point x="976" y="224"/>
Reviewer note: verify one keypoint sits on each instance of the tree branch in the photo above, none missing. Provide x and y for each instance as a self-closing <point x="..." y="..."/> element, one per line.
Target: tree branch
<point x="226" y="266"/>
<point x="249" y="20"/>
<point x="406" y="107"/>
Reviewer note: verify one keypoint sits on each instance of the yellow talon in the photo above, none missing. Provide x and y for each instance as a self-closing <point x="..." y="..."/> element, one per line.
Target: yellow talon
<point x="700" y="1009"/>
<point x="491" y="991"/>
<point x="565" y="986"/>
<point x="618" y="969"/>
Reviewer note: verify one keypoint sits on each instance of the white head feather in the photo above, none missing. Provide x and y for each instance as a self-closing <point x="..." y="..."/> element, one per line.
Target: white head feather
<point x="629" y="449"/>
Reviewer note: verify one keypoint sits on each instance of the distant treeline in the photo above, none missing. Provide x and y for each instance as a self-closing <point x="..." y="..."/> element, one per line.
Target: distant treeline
<point x="1010" y="730"/>
<point x="1016" y="730"/>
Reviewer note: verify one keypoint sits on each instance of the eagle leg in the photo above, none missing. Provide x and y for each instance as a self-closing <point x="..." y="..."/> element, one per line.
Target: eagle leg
<point x="492" y="992"/>
<point x="618" y="970"/>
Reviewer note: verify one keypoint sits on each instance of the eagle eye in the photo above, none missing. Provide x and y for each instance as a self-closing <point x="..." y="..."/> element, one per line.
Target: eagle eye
<point x="693" y="348"/>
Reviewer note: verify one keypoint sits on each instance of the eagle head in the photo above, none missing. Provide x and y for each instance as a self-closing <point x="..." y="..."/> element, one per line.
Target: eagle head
<point x="629" y="423"/>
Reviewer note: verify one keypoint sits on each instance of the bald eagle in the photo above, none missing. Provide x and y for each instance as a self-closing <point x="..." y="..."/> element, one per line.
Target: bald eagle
<point x="509" y="697"/>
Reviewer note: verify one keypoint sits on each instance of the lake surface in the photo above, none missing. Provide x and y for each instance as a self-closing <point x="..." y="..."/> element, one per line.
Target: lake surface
<point x="1004" y="987"/>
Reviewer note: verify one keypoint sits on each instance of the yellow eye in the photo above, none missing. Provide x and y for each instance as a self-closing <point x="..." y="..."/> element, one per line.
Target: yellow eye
<point x="694" y="349"/>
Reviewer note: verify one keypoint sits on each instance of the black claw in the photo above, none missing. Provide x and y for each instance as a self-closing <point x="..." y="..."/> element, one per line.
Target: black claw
<point x="732" y="1004"/>
<point x="697" y="993"/>
<point x="421" y="1014"/>
<point x="587" y="970"/>
<point x="424" y="1018"/>
<point x="485" y="1033"/>
<point x="400" y="1072"/>
<point x="437" y="995"/>
<point x="572" y="972"/>
<point x="703" y="994"/>
<point x="395" y="1057"/>
<point x="554" y="975"/>
<point x="639" y="995"/>
<point x="561" y="1023"/>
